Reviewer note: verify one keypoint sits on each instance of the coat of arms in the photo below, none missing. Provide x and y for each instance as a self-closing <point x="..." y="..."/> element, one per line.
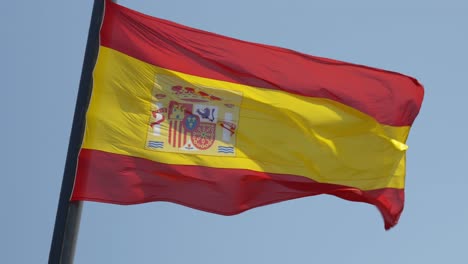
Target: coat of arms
<point x="190" y="118"/>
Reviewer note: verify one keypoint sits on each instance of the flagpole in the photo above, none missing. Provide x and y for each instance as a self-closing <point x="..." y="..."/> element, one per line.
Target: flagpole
<point x="67" y="221"/>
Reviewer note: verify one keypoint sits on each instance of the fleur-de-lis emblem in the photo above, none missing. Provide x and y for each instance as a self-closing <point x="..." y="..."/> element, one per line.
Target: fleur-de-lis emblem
<point x="191" y="122"/>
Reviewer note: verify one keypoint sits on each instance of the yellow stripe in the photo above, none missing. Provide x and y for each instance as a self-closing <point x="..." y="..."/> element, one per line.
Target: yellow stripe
<point x="277" y="132"/>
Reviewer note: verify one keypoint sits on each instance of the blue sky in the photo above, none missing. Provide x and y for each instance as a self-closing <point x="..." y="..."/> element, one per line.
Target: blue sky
<point x="42" y="47"/>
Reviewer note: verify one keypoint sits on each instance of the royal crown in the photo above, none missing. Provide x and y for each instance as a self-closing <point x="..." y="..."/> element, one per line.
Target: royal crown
<point x="190" y="94"/>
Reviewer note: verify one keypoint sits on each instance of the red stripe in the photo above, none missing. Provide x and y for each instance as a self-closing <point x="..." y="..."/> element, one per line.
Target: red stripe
<point x="180" y="135"/>
<point x="170" y="132"/>
<point x="118" y="179"/>
<point x="174" y="143"/>
<point x="391" y="98"/>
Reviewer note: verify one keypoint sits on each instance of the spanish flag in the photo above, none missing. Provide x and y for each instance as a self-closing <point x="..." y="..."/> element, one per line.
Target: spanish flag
<point x="222" y="125"/>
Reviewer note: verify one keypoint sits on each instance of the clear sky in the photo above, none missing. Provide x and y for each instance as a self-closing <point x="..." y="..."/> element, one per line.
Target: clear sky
<point x="42" y="47"/>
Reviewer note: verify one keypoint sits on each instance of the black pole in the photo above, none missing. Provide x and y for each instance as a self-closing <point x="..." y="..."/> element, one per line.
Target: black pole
<point x="67" y="221"/>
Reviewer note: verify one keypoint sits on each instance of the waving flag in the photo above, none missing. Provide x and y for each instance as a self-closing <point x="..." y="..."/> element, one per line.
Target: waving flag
<point x="222" y="125"/>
